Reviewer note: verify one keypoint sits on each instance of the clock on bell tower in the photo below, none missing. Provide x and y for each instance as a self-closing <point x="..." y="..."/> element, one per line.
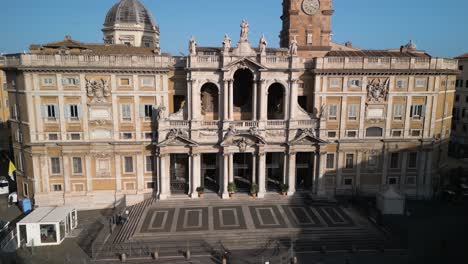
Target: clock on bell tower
<point x="309" y="21"/>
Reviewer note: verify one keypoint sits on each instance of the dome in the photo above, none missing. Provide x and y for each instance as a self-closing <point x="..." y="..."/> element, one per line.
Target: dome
<point x="130" y="12"/>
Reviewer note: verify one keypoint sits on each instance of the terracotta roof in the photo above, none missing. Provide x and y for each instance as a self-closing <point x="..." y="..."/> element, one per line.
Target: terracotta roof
<point x="375" y="53"/>
<point x="463" y="56"/>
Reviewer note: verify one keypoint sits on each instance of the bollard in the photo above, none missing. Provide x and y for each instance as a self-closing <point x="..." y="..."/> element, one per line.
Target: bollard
<point x="123" y="257"/>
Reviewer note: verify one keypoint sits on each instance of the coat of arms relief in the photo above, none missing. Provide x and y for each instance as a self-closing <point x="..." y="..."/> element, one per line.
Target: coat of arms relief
<point x="98" y="90"/>
<point x="377" y="90"/>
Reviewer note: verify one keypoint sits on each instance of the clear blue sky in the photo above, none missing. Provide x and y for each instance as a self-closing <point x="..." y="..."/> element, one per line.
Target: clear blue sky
<point x="439" y="27"/>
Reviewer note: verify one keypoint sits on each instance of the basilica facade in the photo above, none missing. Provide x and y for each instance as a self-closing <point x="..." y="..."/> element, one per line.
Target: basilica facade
<point x="94" y="123"/>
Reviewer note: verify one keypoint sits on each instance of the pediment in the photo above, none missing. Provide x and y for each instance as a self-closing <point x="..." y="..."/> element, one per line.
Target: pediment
<point x="177" y="141"/>
<point x="245" y="138"/>
<point x="306" y="137"/>
<point x="245" y="63"/>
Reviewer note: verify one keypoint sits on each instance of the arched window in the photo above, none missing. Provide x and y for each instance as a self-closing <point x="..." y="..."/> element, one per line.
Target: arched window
<point x="374" y="132"/>
<point x="209" y="101"/>
<point x="276" y="102"/>
<point x="243" y="87"/>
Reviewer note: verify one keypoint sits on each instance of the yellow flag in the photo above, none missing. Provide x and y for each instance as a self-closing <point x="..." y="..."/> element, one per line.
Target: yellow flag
<point x="11" y="169"/>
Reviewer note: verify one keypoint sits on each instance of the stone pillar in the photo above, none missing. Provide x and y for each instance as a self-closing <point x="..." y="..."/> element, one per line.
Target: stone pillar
<point x="165" y="180"/>
<point x="196" y="101"/>
<point x="263" y="100"/>
<point x="66" y="173"/>
<point x="140" y="173"/>
<point x="231" y="100"/>
<point x="261" y="174"/>
<point x="36" y="167"/>
<point x="292" y="173"/>
<point x="225" y="100"/>
<point x="254" y="168"/>
<point x="136" y="111"/>
<point x="118" y="174"/>
<point x="293" y="104"/>
<point x="190" y="99"/>
<point x="225" y="166"/>
<point x="321" y="161"/>
<point x="196" y="172"/>
<point x="231" y="167"/>
<point x="89" y="180"/>
<point x="254" y="101"/>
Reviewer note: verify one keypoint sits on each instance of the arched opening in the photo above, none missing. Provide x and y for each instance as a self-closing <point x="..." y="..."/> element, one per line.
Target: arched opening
<point x="209" y="102"/>
<point x="276" y="102"/>
<point x="243" y="86"/>
<point x="374" y="132"/>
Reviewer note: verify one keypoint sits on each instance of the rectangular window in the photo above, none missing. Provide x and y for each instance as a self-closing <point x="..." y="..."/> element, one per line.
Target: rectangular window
<point x="124" y="81"/>
<point x="335" y="83"/>
<point x="457" y="98"/>
<point x="77" y="165"/>
<point x="372" y="161"/>
<point x="401" y="84"/>
<point x="128" y="164"/>
<point x="73" y="111"/>
<point x="147" y="82"/>
<point x="25" y="190"/>
<point x="331" y="134"/>
<point x="332" y="112"/>
<point x="398" y="112"/>
<point x="348" y="181"/>
<point x="460" y="67"/>
<point x="150" y="185"/>
<point x="47" y="81"/>
<point x="466" y="85"/>
<point x="148" y="111"/>
<point x="417" y="111"/>
<point x="148" y="135"/>
<point x="352" y="111"/>
<point x="349" y="161"/>
<point x="55" y="165"/>
<point x="149" y="164"/>
<point x="330" y="160"/>
<point x="57" y="187"/>
<point x="52" y="136"/>
<point x="75" y="136"/>
<point x="412" y="160"/>
<point x="5" y="86"/>
<point x="70" y="81"/>
<point x="415" y="132"/>
<point x="394" y="161"/>
<point x="351" y="133"/>
<point x="51" y="111"/>
<point x="127" y="135"/>
<point x="421" y="83"/>
<point x="392" y="181"/>
<point x="126" y="111"/>
<point x="354" y="83"/>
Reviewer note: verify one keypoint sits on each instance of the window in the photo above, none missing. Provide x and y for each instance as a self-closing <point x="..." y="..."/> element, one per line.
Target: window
<point x="147" y="81"/>
<point x="331" y="134"/>
<point x="348" y="181"/>
<point x="75" y="136"/>
<point x="394" y="160"/>
<point x="417" y="111"/>
<point x="128" y="164"/>
<point x="52" y="136"/>
<point x="302" y="101"/>
<point x="77" y="165"/>
<point x="401" y="84"/>
<point x="20" y="162"/>
<point x="149" y="164"/>
<point x="124" y="81"/>
<point x="48" y="234"/>
<point x="372" y="161"/>
<point x="421" y="83"/>
<point x="148" y="135"/>
<point x="460" y="67"/>
<point x="335" y="83"/>
<point x="127" y="135"/>
<point x="47" y="81"/>
<point x="466" y="99"/>
<point x="55" y="165"/>
<point x="354" y="83"/>
<point x="78" y="187"/>
<point x="410" y="180"/>
<point x="332" y="112"/>
<point x="25" y="190"/>
<point x="412" y="160"/>
<point x="374" y="132"/>
<point x="330" y="160"/>
<point x="397" y="133"/>
<point x="352" y="111"/>
<point x="126" y="112"/>
<point x="73" y="111"/>
<point x="457" y="98"/>
<point x="14" y="112"/>
<point x="392" y="181"/>
<point x="349" y="161"/>
<point x="178" y="102"/>
<point x="70" y="81"/>
<point x="150" y="185"/>
<point x="50" y="111"/>
<point x="351" y="133"/>
<point x="398" y="112"/>
<point x="415" y="132"/>
<point x="57" y="187"/>
<point x="466" y="85"/>
<point x="146" y="111"/>
<point x="5" y="86"/>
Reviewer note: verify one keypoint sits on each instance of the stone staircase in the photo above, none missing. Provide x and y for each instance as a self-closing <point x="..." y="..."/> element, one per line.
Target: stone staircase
<point x="129" y="228"/>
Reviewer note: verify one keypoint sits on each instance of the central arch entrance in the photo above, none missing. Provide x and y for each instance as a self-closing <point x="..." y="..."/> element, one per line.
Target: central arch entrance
<point x="242" y="97"/>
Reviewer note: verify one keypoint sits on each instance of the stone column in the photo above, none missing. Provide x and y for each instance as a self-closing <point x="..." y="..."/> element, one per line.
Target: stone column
<point x="254" y="168"/>
<point x="321" y="161"/>
<point x="231" y="100"/>
<point x="292" y="173"/>
<point x="293" y="103"/>
<point x="189" y="99"/>
<point x="66" y="173"/>
<point x="263" y="100"/>
<point x="261" y="174"/>
<point x="225" y="100"/>
<point x="196" y="174"/>
<point x="225" y="166"/>
<point x="118" y="174"/>
<point x="165" y="180"/>
<point x="254" y="101"/>
<point x="231" y="167"/>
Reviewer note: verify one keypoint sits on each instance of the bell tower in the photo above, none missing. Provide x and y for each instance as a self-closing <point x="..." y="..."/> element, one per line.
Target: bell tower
<point x="309" y="21"/>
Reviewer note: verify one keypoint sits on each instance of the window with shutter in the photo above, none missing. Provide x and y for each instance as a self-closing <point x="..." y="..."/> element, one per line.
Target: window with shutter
<point x="353" y="111"/>
<point x="332" y="112"/>
<point x="126" y="112"/>
<point x="398" y="112"/>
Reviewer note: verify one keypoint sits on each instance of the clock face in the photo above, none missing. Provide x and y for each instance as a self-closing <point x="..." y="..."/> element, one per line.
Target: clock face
<point x="311" y="7"/>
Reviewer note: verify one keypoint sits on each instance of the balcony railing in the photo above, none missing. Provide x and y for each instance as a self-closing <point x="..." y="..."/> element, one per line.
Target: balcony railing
<point x="384" y="63"/>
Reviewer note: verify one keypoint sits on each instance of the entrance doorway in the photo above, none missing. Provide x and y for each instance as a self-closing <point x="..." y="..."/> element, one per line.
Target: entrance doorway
<point x="179" y="174"/>
<point x="243" y="171"/>
<point x="243" y="86"/>
<point x="304" y="170"/>
<point x="275" y="171"/>
<point x="209" y="172"/>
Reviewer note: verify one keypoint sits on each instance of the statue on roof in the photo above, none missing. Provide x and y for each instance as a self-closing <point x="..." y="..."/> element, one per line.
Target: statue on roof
<point x="244" y="30"/>
<point x="411" y="45"/>
<point x="193" y="46"/>
<point x="226" y="43"/>
<point x="262" y="45"/>
<point x="293" y="47"/>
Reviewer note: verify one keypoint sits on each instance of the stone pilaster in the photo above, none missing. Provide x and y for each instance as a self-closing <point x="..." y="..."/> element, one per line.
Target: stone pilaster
<point x="261" y="174"/>
<point x="165" y="179"/>
<point x="195" y="173"/>
<point x="291" y="172"/>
